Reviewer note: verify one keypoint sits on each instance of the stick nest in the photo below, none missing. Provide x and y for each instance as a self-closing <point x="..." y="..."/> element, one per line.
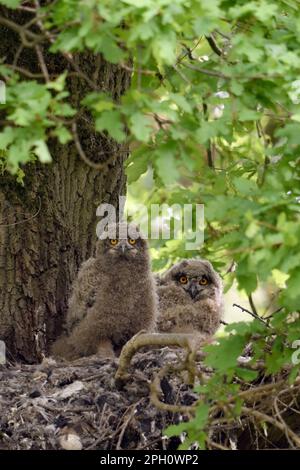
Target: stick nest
<point x="106" y="404"/>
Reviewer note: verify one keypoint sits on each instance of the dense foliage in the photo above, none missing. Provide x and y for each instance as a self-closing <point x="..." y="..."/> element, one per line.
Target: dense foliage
<point x="213" y="109"/>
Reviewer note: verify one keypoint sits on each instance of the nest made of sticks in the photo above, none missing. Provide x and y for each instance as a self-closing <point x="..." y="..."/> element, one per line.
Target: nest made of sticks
<point x="107" y="404"/>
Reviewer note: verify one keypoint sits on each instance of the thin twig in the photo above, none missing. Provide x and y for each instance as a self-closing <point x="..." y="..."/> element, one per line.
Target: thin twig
<point x="254" y="315"/>
<point x="43" y="65"/>
<point x="181" y="74"/>
<point x="24" y="72"/>
<point x="252" y="305"/>
<point x="211" y="73"/>
<point x="262" y="417"/>
<point x="25" y="220"/>
<point x="24" y="33"/>
<point x="125" y="424"/>
<point x="138" y="71"/>
<point x="215" y="73"/>
<point x="83" y="156"/>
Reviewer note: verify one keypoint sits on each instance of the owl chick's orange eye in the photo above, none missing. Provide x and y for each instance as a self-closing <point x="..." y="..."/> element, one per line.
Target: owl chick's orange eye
<point x="113" y="242"/>
<point x="132" y="241"/>
<point x="203" y="281"/>
<point x="183" y="279"/>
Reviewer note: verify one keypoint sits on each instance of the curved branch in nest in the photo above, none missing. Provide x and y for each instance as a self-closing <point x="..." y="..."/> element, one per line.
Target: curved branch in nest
<point x="156" y="392"/>
<point x="190" y="342"/>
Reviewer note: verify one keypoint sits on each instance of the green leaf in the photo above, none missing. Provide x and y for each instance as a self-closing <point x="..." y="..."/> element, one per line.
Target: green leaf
<point x="224" y="356"/>
<point x="62" y="134"/>
<point x="11" y="3"/>
<point x="111" y="121"/>
<point x="246" y="374"/>
<point x="140" y="126"/>
<point x="166" y="167"/>
<point x="201" y="416"/>
<point x="137" y="164"/>
<point x="42" y="151"/>
<point x="6" y="137"/>
<point x="164" y="48"/>
<point x="111" y="51"/>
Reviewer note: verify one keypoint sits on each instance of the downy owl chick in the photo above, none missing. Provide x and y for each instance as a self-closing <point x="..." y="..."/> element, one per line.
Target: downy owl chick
<point x="113" y="296"/>
<point x="190" y="298"/>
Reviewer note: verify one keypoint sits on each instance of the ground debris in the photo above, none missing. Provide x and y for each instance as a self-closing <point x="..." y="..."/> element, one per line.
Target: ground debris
<point x="77" y="406"/>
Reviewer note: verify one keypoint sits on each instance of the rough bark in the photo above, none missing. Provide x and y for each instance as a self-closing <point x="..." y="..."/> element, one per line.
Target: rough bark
<point x="47" y="227"/>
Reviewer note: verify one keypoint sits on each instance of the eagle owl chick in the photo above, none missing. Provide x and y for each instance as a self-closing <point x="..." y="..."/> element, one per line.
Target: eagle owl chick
<point x="190" y="298"/>
<point x="113" y="296"/>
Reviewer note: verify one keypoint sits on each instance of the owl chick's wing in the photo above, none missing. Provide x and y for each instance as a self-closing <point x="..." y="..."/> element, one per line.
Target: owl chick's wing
<point x="83" y="293"/>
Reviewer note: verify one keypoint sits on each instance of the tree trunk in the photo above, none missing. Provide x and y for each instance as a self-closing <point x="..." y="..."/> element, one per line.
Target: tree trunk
<point x="48" y="226"/>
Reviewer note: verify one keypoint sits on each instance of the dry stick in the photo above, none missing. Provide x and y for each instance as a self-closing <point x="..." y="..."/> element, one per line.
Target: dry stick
<point x="216" y="445"/>
<point x="125" y="424"/>
<point x="282" y="427"/>
<point x="289" y="406"/>
<point x="100" y="425"/>
<point x="149" y="444"/>
<point x="278" y="415"/>
<point x="277" y="411"/>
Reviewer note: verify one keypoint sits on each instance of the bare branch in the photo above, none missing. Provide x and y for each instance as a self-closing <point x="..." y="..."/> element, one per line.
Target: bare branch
<point x="28" y="38"/>
<point x="82" y="154"/>
<point x="262" y="417"/>
<point x="253" y="314"/>
<point x="214" y="45"/>
<point x="42" y="63"/>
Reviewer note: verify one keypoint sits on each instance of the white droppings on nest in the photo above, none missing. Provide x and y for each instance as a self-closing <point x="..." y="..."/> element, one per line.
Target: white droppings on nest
<point x="70" y="441"/>
<point x="69" y="391"/>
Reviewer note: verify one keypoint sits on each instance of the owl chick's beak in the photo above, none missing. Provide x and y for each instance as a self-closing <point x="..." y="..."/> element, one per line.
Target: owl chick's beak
<point x="123" y="250"/>
<point x="193" y="290"/>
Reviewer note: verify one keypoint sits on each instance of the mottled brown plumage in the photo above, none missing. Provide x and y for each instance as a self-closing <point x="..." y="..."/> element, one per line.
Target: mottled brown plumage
<point x="113" y="297"/>
<point x="190" y="298"/>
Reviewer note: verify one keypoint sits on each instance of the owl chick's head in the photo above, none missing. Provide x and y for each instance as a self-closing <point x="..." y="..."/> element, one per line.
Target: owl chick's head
<point x="196" y="277"/>
<point x="122" y="241"/>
